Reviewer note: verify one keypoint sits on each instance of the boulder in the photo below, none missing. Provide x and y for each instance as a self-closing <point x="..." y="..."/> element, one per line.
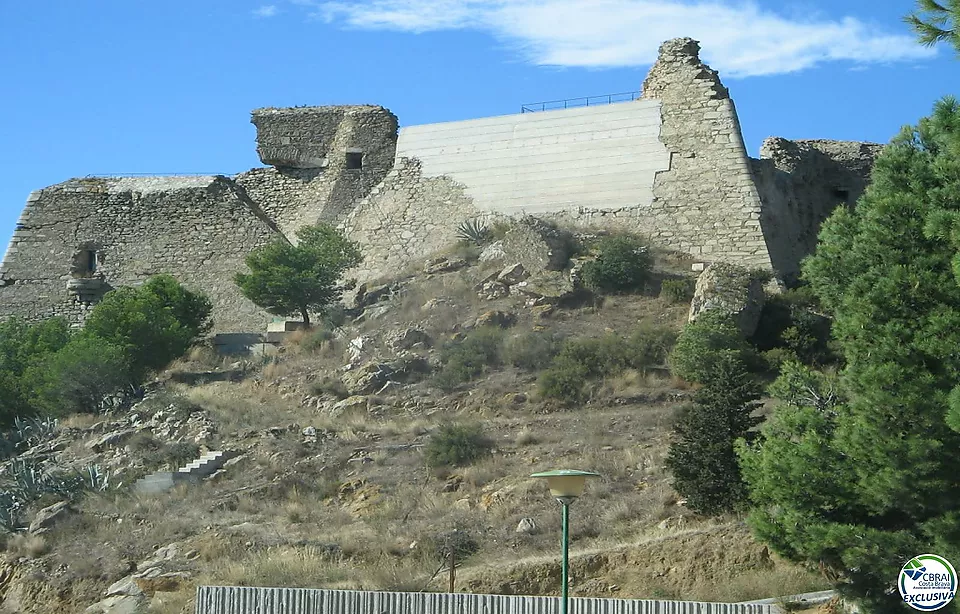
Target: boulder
<point x="354" y="403"/>
<point x="493" y="290"/>
<point x="408" y="338"/>
<point x="551" y="285"/>
<point x="731" y="289"/>
<point x="49" y="516"/>
<point x="537" y="245"/>
<point x="367" y="378"/>
<point x="495" y="317"/>
<point x="126" y="586"/>
<point x="527" y="526"/>
<point x="492" y="252"/>
<point x="119" y="604"/>
<point x="109" y="440"/>
<point x="512" y="274"/>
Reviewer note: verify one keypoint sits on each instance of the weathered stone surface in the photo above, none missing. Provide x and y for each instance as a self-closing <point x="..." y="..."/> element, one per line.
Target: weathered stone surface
<point x="353" y="403"/>
<point x="526" y="526"/>
<point x="109" y="440"/>
<point x="493" y="290"/>
<point x="512" y="274"/>
<point x="367" y="378"/>
<point x="551" y="285"/>
<point x="408" y="338"/>
<point x="119" y="604"/>
<point x="537" y="245"/>
<point x="492" y="252"/>
<point x="49" y="516"/>
<point x="444" y="265"/>
<point x="126" y="586"/>
<point x="76" y="240"/>
<point x="495" y="318"/>
<point x="731" y="289"/>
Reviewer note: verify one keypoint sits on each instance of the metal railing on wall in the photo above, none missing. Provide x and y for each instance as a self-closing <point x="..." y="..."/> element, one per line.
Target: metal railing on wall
<point x="111" y="175"/>
<point x="586" y="101"/>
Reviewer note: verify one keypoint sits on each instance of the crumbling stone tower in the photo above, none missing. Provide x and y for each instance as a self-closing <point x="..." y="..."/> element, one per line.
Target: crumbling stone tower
<point x="323" y="160"/>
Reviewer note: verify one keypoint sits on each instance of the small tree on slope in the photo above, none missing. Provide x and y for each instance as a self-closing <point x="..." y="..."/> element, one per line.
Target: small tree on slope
<point x="288" y="279"/>
<point x="703" y="458"/>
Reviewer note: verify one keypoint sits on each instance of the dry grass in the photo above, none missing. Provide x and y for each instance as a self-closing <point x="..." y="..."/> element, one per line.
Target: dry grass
<point x="26" y="545"/>
<point x="359" y="508"/>
<point x="80" y="421"/>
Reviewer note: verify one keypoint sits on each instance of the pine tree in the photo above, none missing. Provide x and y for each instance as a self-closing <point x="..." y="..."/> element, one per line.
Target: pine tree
<point x="703" y="458"/>
<point x="861" y="486"/>
<point x="288" y="279"/>
<point x="936" y="22"/>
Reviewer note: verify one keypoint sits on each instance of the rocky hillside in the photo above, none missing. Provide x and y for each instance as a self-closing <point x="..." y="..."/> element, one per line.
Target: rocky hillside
<point x="332" y="479"/>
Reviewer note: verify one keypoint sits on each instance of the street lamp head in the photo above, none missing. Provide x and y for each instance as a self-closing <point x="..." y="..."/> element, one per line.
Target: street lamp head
<point x="565" y="484"/>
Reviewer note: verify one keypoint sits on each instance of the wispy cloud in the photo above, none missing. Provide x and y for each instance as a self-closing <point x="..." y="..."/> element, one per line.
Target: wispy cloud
<point x="267" y="10"/>
<point x="741" y="40"/>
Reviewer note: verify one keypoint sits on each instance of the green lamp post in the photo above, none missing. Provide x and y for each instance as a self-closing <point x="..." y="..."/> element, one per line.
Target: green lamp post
<point x="566" y="485"/>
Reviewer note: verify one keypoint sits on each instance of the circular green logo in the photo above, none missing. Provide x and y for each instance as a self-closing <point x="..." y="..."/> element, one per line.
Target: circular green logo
<point x="927" y="582"/>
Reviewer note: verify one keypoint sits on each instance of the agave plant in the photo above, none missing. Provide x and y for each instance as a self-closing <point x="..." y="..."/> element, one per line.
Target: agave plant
<point x="29" y="432"/>
<point x="95" y="478"/>
<point x="475" y="231"/>
<point x="28" y="481"/>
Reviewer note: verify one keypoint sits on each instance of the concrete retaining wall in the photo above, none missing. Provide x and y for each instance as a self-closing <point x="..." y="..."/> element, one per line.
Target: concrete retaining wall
<point x="253" y="600"/>
<point x="602" y="157"/>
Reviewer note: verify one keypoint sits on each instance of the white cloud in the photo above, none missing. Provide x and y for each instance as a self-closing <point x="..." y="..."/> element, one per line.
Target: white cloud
<point x="268" y="10"/>
<point x="740" y="40"/>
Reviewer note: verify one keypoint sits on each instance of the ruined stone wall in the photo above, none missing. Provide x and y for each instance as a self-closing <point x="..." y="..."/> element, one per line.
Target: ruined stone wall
<point x="672" y="166"/>
<point x="313" y="151"/>
<point x="405" y="218"/>
<point x="198" y="229"/>
<point x="801" y="183"/>
<point x="707" y="203"/>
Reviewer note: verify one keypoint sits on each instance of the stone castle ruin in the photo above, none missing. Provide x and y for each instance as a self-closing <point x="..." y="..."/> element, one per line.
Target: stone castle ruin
<point x="671" y="165"/>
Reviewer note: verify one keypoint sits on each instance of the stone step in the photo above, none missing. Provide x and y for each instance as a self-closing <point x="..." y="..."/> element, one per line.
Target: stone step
<point x="202" y="467"/>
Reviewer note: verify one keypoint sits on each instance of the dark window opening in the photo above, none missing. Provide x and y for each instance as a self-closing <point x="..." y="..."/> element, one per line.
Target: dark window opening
<point x="85" y="263"/>
<point x="842" y="195"/>
<point x="354" y="160"/>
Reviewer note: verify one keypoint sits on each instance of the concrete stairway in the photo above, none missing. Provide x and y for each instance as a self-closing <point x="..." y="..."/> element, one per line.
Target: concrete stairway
<point x="195" y="471"/>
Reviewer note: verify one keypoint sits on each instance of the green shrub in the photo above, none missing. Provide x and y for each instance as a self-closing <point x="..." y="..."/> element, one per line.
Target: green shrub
<point x="775" y="358"/>
<point x="677" y="290"/>
<point x="313" y="340"/>
<point x="468" y="358"/>
<point x="330" y="385"/>
<point x="456" y="445"/>
<point x="22" y="346"/>
<point x="704" y="342"/>
<point x="144" y="323"/>
<point x="191" y="309"/>
<point x="600" y="356"/>
<point x="565" y="381"/>
<point x="581" y="360"/>
<point x="649" y="346"/>
<point x="532" y="351"/>
<point x="623" y="264"/>
<point x="791" y="321"/>
<point x="79" y="376"/>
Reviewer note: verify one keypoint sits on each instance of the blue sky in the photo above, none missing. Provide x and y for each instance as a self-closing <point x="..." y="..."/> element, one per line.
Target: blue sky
<point x="118" y="86"/>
